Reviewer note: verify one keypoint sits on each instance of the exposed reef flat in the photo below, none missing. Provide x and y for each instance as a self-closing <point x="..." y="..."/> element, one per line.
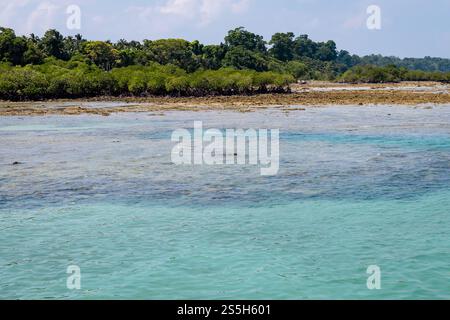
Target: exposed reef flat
<point x="311" y="94"/>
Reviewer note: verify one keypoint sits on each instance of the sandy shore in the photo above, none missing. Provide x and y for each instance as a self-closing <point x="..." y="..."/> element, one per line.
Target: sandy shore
<point x="303" y="95"/>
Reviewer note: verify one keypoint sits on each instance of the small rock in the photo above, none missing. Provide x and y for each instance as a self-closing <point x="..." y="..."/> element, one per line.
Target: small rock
<point x="16" y="163"/>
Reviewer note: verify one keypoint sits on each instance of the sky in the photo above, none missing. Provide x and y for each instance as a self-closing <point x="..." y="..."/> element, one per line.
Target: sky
<point x="409" y="28"/>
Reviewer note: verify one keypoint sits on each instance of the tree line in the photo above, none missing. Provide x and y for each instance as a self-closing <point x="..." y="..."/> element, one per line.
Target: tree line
<point x="57" y="66"/>
<point x="240" y="49"/>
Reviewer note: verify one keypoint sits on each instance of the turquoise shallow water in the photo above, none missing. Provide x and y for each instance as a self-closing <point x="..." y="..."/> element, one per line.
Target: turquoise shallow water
<point x="357" y="186"/>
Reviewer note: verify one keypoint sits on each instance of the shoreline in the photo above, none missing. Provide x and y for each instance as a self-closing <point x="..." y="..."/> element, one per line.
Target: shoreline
<point x="313" y="94"/>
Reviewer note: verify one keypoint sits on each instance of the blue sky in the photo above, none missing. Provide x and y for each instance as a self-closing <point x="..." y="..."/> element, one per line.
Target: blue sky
<point x="411" y="28"/>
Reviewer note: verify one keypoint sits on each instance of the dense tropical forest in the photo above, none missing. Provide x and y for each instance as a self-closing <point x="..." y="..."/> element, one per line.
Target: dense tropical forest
<point x="54" y="66"/>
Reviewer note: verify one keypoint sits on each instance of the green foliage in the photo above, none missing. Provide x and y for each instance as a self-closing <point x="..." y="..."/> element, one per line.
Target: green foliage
<point x="53" y="44"/>
<point x="346" y="60"/>
<point x="178" y="52"/>
<point x="170" y="80"/>
<point x="422" y="64"/>
<point x="326" y="51"/>
<point x="33" y="55"/>
<point x="73" y="45"/>
<point x="241" y="49"/>
<point x="75" y="78"/>
<point x="418" y="75"/>
<point x="323" y="51"/>
<point x="101" y="53"/>
<point x="23" y="83"/>
<point x="373" y="74"/>
<point x="282" y="46"/>
<point x="240" y="37"/>
<point x="55" y="66"/>
<point x="241" y="58"/>
<point x="212" y="56"/>
<point x="12" y="48"/>
<point x="137" y="85"/>
<point x="297" y="69"/>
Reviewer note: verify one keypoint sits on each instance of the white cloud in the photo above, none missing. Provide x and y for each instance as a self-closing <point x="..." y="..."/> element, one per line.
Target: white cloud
<point x="32" y="16"/>
<point x="204" y="12"/>
<point x="9" y="9"/>
<point x="43" y="16"/>
<point x="354" y="22"/>
<point x="210" y="10"/>
<point x="98" y="19"/>
<point x="240" y="6"/>
<point x="179" y="7"/>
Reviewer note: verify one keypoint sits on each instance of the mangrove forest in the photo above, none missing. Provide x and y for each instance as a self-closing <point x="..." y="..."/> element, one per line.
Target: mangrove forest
<point x="56" y="66"/>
